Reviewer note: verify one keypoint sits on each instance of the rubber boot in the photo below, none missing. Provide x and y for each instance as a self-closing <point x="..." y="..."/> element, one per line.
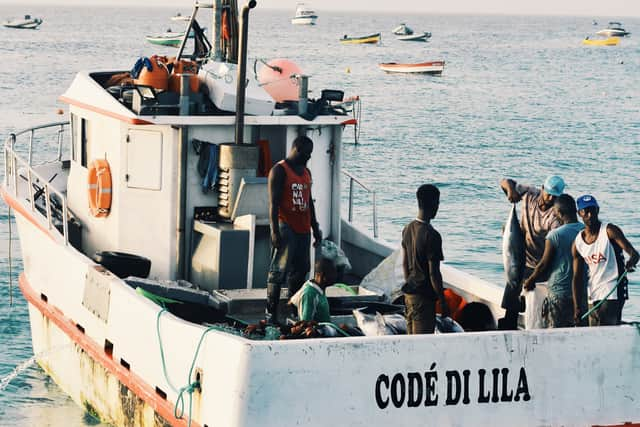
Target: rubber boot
<point x="273" y="298"/>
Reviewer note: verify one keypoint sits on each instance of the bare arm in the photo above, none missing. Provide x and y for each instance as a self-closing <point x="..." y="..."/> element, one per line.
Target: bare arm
<point x="542" y="267"/>
<point x="509" y="187"/>
<point x="577" y="283"/>
<point x="436" y="283"/>
<point x="276" y="181"/>
<point x="616" y="235"/>
<point x="317" y="233"/>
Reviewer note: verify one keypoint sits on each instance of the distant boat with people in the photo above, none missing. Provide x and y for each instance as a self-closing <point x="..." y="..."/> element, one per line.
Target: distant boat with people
<point x="614" y="29"/>
<point x="304" y="15"/>
<point x="402" y="30"/>
<point x="370" y="39"/>
<point x="26" y="23"/>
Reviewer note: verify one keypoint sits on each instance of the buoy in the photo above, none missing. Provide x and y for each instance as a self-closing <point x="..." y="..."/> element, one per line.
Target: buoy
<point x="276" y="78"/>
<point x="348" y="70"/>
<point x="60" y="111"/>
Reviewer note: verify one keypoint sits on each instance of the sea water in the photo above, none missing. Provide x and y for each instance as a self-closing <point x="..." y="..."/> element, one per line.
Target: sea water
<point x="520" y="97"/>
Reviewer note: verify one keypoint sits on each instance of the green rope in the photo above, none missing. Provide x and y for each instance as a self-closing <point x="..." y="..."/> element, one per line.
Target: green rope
<point x="156" y="298"/>
<point x="595" y="307"/>
<point x="178" y="409"/>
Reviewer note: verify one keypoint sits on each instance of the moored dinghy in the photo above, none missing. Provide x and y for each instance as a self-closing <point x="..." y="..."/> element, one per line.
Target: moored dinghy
<point x="418" y="37"/>
<point x="610" y="41"/>
<point x="434" y="67"/>
<point x="371" y="39"/>
<point x="26" y="23"/>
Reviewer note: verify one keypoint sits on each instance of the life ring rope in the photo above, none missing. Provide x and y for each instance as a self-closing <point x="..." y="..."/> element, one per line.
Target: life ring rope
<point x="99" y="187"/>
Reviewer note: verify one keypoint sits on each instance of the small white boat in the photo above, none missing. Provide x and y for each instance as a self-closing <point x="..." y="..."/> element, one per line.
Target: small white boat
<point x="613" y="30"/>
<point x="27" y="23"/>
<point x="180" y="17"/>
<point x="418" y="37"/>
<point x="304" y="15"/>
<point x="434" y="67"/>
<point x="402" y="30"/>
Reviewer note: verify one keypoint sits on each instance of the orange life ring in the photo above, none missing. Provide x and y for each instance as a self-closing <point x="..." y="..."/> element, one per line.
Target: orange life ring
<point x="99" y="186"/>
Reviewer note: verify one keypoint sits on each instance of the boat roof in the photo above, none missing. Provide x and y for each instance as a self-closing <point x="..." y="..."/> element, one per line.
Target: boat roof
<point x="87" y="93"/>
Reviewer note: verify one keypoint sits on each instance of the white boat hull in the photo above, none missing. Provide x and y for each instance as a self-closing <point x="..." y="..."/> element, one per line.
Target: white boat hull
<point x="306" y="20"/>
<point x="569" y="377"/>
<point x="436" y="67"/>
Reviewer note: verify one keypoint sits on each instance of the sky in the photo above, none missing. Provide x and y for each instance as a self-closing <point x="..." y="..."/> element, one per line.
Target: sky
<point x="591" y="8"/>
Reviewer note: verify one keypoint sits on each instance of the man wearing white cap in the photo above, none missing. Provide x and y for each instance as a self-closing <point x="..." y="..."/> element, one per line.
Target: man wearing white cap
<point x="598" y="250"/>
<point x="536" y="220"/>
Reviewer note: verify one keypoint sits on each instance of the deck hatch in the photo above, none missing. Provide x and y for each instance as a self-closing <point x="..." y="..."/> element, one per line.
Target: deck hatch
<point x="144" y="159"/>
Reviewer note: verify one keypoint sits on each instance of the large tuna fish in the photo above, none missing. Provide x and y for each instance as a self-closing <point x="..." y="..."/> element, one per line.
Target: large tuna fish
<point x="513" y="250"/>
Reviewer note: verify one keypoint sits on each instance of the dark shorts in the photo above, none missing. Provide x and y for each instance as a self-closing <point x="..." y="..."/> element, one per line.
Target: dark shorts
<point x="608" y="314"/>
<point x="558" y="312"/>
<point x="420" y="314"/>
<point x="290" y="263"/>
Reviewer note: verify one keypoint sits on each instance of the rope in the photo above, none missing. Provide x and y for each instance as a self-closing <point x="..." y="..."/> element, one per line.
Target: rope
<point x="10" y="263"/>
<point x="178" y="410"/>
<point x="595" y="307"/>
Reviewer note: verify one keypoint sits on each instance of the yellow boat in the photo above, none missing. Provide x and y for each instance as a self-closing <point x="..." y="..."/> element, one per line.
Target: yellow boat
<point x="372" y="38"/>
<point x="611" y="41"/>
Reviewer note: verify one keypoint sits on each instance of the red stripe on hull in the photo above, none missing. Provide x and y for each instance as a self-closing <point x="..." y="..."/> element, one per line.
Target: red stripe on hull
<point x="136" y="384"/>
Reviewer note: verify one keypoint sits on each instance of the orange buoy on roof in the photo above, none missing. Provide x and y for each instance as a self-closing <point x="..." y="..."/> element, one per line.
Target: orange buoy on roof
<point x="99" y="186"/>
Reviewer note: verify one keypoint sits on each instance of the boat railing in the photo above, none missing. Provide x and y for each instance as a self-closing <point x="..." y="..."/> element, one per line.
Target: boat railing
<point x="14" y="163"/>
<point x="352" y="180"/>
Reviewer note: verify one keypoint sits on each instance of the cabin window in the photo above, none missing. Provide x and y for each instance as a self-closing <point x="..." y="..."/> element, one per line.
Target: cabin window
<point x="80" y="140"/>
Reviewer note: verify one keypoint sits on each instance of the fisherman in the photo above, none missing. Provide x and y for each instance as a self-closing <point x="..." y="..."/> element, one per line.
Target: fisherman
<point x="310" y="300"/>
<point x="292" y="216"/>
<point x="422" y="253"/>
<point x="557" y="263"/>
<point x="598" y="248"/>
<point x="536" y="221"/>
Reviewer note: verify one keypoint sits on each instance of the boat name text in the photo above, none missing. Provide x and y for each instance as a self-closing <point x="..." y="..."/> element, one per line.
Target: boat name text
<point x="415" y="389"/>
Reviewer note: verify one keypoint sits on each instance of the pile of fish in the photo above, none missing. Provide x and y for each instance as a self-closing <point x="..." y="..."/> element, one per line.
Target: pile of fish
<point x="367" y="325"/>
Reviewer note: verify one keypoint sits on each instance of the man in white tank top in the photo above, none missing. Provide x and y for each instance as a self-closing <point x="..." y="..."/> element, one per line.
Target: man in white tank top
<point x="598" y="248"/>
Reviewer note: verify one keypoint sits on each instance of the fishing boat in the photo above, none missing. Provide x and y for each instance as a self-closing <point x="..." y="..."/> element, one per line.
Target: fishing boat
<point x="304" y="15"/>
<point x="27" y="23"/>
<point x="168" y="38"/>
<point x="371" y="38"/>
<point x="434" y="67"/>
<point x="417" y="37"/>
<point x="610" y="41"/>
<point x="402" y="30"/>
<point x="140" y="274"/>
<point x="614" y="29"/>
<point x="180" y="17"/>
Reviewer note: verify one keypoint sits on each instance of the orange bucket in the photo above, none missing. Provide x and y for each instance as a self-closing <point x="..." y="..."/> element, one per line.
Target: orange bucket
<point x="157" y="77"/>
<point x="184" y="66"/>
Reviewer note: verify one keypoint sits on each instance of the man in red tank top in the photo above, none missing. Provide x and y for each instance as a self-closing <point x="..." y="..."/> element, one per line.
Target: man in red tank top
<point x="292" y="216"/>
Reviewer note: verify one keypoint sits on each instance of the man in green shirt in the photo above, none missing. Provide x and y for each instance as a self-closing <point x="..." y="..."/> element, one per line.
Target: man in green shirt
<point x="310" y="300"/>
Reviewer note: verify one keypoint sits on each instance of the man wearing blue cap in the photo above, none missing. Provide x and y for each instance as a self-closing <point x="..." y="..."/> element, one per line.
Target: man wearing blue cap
<point x="536" y="220"/>
<point x="598" y="250"/>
